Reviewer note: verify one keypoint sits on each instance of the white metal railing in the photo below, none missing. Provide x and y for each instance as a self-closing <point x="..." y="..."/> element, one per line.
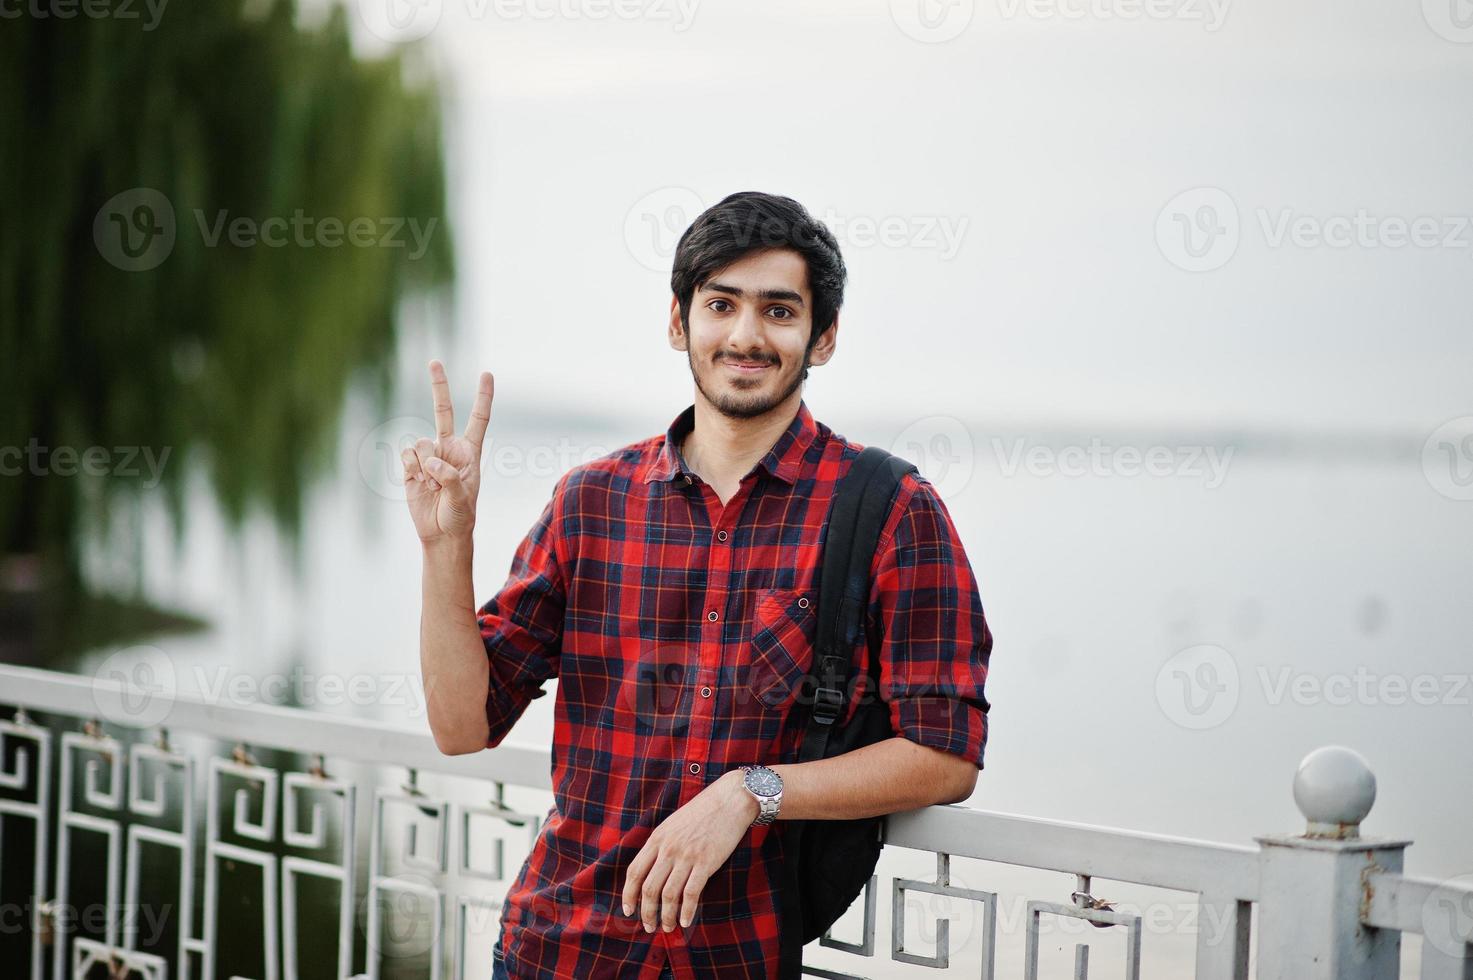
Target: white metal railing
<point x="1331" y="904"/>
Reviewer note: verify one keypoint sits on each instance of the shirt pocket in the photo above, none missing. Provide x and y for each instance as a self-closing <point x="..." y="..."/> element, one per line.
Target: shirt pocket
<point x="783" y="627"/>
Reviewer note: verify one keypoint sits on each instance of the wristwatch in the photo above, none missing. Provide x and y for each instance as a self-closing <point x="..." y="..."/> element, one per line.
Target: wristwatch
<point x="767" y="786"/>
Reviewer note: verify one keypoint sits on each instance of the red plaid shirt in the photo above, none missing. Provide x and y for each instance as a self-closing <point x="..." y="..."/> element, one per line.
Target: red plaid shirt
<point x="679" y="630"/>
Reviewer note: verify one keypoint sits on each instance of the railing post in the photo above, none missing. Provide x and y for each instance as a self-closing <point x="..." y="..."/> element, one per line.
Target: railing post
<point x="1313" y="886"/>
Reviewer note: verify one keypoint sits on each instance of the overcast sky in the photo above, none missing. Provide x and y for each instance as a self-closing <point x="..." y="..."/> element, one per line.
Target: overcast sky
<point x="1004" y="177"/>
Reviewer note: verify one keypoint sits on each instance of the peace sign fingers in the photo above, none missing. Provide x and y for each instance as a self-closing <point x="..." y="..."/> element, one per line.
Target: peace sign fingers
<point x="444" y="414"/>
<point x="475" y="426"/>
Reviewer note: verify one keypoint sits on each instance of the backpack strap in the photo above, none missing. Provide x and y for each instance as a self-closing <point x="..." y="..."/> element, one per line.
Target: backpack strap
<point x="857" y="515"/>
<point x="861" y="504"/>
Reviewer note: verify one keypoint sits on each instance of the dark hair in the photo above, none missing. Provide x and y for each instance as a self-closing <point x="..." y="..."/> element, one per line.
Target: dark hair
<point x="751" y="221"/>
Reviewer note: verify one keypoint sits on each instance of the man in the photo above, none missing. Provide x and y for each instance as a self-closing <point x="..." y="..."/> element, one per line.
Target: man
<point x="670" y="588"/>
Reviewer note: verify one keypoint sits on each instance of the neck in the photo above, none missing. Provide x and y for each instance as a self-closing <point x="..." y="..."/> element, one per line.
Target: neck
<point x="721" y="449"/>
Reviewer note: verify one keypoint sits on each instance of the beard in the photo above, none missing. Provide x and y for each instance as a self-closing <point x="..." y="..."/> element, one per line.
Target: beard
<point x="736" y="403"/>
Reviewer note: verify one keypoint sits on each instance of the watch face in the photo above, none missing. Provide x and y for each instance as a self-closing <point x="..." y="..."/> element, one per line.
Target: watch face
<point x="764" y="782"/>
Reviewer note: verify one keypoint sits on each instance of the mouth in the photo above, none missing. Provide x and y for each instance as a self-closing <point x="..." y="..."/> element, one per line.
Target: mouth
<point x="747" y="367"/>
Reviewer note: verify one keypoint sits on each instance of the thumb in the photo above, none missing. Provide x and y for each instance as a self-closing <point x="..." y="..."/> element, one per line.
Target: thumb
<point x="449" y="478"/>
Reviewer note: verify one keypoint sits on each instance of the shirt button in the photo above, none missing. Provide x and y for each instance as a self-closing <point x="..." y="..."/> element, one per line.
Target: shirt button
<point x="695" y="767"/>
<point x="711" y="615"/>
<point x="705" y="692"/>
<point x="687" y="480"/>
<point x="802" y="602"/>
<point x="720" y="535"/>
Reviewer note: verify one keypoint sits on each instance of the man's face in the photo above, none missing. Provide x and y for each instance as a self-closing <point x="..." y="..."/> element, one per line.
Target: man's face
<point x="749" y="328"/>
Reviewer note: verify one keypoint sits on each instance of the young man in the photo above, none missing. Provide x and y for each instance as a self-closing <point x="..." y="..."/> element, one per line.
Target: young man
<point x="670" y="587"/>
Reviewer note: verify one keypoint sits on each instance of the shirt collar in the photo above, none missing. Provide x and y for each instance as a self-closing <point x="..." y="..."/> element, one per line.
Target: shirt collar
<point x="781" y="461"/>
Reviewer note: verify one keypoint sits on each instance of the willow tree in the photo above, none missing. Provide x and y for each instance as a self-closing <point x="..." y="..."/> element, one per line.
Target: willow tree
<point x="205" y="240"/>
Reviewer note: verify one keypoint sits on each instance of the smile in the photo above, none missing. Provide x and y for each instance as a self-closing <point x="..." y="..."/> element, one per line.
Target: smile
<point x="748" y="368"/>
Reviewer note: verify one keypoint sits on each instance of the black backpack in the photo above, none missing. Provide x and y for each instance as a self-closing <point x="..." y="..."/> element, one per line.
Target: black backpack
<point x="826" y="863"/>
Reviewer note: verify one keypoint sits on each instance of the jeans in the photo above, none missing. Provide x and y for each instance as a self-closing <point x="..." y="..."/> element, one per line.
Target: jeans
<point x="498" y="967"/>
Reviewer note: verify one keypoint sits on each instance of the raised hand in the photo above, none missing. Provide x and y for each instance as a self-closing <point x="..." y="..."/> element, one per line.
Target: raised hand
<point x="442" y="476"/>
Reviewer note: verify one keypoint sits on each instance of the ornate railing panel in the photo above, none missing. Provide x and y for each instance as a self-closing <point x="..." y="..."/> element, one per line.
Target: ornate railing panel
<point x="331" y="856"/>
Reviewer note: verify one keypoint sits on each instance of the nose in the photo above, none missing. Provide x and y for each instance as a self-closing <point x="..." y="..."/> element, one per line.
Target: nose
<point x="745" y="338"/>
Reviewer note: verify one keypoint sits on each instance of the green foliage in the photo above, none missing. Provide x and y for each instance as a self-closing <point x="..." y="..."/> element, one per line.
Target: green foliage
<point x="236" y="359"/>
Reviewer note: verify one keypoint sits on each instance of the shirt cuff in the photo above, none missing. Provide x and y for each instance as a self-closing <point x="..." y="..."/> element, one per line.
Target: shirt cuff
<point x="948" y="724"/>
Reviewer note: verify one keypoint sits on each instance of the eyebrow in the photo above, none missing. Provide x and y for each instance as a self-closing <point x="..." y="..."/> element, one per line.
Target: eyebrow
<point x="738" y="292"/>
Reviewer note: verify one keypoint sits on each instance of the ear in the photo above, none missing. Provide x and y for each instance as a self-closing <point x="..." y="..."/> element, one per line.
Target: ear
<point x="824" y="348"/>
<point x="675" y="330"/>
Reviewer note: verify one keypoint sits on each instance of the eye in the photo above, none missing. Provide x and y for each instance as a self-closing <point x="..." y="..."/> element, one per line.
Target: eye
<point x="712" y="306"/>
<point x="787" y="313"/>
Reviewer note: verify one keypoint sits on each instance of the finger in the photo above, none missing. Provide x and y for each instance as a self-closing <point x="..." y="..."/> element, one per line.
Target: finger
<point x="424" y="450"/>
<point x="449" y="478"/>
<point x="412" y="469"/>
<point x="650" y="892"/>
<point x="475" y="426"/>
<point x="634" y="878"/>
<point x="692" y="896"/>
<point x="671" y="895"/>
<point x="444" y="414"/>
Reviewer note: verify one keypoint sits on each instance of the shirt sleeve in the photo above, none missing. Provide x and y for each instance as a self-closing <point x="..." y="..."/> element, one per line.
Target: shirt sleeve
<point x="522" y="625"/>
<point x="935" y="643"/>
